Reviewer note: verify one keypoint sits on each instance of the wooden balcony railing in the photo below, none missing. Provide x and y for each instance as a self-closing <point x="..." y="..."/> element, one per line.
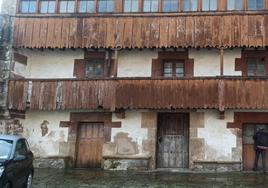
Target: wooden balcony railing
<point x="142" y="31"/>
<point x="195" y="93"/>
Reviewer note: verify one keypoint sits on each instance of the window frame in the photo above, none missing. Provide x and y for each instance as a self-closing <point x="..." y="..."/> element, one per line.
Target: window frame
<point x="131" y="6"/>
<point x="180" y="56"/>
<point x="235" y="5"/>
<point x="158" y="6"/>
<point x="106" y="11"/>
<point x="87" y="12"/>
<point x="36" y="7"/>
<point x="177" y="9"/>
<point x="255" y="8"/>
<point x="189" y="5"/>
<point x="59" y="7"/>
<point x="241" y="63"/>
<point x="94" y="61"/>
<point x="174" y="64"/>
<point x="209" y="10"/>
<point x="40" y="7"/>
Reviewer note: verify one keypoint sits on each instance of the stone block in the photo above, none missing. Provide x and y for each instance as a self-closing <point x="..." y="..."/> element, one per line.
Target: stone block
<point x="197" y="120"/>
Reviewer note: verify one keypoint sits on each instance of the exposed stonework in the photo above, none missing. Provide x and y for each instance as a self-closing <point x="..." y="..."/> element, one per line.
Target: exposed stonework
<point x="196" y="145"/>
<point x="217" y="166"/>
<point x="125" y="144"/>
<point x="125" y="164"/>
<point x="52" y="162"/>
<point x="149" y="121"/>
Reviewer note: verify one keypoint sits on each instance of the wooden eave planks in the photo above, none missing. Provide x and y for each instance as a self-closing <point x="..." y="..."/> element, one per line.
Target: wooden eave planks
<point x="142" y="32"/>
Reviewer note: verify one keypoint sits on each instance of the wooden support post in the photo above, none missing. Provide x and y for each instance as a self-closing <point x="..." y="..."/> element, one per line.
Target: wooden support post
<point x="222" y="60"/>
<point x="115" y="63"/>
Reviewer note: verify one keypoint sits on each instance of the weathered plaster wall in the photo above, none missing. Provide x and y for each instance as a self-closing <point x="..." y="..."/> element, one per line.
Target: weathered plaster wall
<point x="44" y="134"/>
<point x="207" y="62"/>
<point x="135" y="63"/>
<point x="51" y="64"/>
<point x="211" y="141"/>
<point x="134" y="141"/>
<point x="229" y="62"/>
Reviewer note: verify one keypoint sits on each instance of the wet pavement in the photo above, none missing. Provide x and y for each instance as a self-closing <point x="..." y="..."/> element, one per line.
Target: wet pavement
<point x="54" y="178"/>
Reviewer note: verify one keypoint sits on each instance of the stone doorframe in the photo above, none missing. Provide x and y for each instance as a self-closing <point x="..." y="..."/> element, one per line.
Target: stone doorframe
<point x="78" y="117"/>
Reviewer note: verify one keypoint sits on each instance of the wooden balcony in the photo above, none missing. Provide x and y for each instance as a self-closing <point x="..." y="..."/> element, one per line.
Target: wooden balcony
<point x="178" y="30"/>
<point x="111" y="94"/>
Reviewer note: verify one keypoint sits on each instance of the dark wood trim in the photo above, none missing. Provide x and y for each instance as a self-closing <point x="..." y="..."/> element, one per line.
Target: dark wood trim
<point x="241" y="64"/>
<point x="242" y="118"/>
<point x="157" y="64"/>
<point x="20" y="58"/>
<point x="78" y="117"/>
<point x="222" y="61"/>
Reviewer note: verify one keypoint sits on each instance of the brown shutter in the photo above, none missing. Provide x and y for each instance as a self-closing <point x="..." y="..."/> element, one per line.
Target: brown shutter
<point x="79" y="68"/>
<point x="189" y="68"/>
<point x="20" y="58"/>
<point x="240" y="65"/>
<point x="157" y="68"/>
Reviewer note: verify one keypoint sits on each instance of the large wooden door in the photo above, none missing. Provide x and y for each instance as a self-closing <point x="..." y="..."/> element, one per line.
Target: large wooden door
<point x="89" y="145"/>
<point x="248" y="146"/>
<point x="172" y="140"/>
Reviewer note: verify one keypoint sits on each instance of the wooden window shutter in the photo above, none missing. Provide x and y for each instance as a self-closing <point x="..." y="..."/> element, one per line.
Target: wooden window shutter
<point x="240" y="65"/>
<point x="157" y="68"/>
<point x="189" y="68"/>
<point x="79" y="68"/>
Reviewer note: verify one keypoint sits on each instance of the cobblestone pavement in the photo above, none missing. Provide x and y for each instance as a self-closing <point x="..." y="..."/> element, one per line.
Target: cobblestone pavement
<point x="51" y="178"/>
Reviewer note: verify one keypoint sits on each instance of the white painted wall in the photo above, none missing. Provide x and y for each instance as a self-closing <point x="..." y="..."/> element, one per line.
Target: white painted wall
<point x="135" y="63"/>
<point x="51" y="64"/>
<point x="131" y="63"/>
<point x="131" y="125"/>
<point x="229" y="62"/>
<point x="219" y="140"/>
<point x="206" y="62"/>
<point x="20" y="69"/>
<point x="49" y="144"/>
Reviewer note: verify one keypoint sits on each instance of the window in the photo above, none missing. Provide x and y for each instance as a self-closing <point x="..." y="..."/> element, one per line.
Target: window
<point x="21" y="148"/>
<point x="150" y="5"/>
<point x="189" y="5"/>
<point x="255" y="4"/>
<point x="255" y="67"/>
<point x="173" y="69"/>
<point x="209" y="5"/>
<point x="234" y="4"/>
<point x="131" y="5"/>
<point x="170" y="5"/>
<point x="87" y="6"/>
<point x="47" y="6"/>
<point x="94" y="68"/>
<point x="28" y="6"/>
<point x="67" y="6"/>
<point x="106" y="5"/>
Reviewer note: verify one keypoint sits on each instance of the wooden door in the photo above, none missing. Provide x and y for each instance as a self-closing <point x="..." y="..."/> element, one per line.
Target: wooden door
<point x="248" y="146"/>
<point x="172" y="137"/>
<point x="89" y="145"/>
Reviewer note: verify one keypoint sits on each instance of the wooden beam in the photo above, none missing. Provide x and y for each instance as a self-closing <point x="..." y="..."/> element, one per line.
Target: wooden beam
<point x="222" y="60"/>
<point x="115" y="63"/>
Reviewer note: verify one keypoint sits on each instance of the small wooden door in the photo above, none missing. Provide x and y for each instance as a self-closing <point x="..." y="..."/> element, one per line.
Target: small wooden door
<point x="89" y="145"/>
<point x="248" y="146"/>
<point x="172" y="137"/>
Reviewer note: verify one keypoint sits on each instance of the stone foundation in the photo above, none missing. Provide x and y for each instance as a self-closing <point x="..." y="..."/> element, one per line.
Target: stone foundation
<point x="211" y="166"/>
<point x="125" y="164"/>
<point x="53" y="162"/>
